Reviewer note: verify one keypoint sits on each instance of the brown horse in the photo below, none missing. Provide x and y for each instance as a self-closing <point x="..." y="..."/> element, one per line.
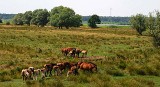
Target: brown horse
<point x="78" y="51"/>
<point x="87" y="66"/>
<point x="56" y="70"/>
<point x="73" y="70"/>
<point x="63" y="66"/>
<point x="49" y="68"/>
<point x="66" y="51"/>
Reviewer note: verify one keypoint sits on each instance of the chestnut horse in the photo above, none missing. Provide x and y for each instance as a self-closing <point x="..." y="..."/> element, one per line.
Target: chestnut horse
<point x="87" y="66"/>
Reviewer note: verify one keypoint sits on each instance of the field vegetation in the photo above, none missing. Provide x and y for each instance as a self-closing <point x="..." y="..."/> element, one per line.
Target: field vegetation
<point x="124" y="58"/>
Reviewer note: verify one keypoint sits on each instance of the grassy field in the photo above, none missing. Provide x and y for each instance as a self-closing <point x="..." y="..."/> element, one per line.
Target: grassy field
<point x="128" y="60"/>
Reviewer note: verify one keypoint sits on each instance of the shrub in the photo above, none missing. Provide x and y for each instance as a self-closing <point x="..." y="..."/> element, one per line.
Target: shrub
<point x="7" y="23"/>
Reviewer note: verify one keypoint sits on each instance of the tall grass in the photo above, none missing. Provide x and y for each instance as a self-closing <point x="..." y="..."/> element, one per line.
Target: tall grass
<point x="123" y="53"/>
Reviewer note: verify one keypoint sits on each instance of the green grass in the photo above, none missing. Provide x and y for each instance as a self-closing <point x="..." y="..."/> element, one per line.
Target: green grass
<point x="124" y="54"/>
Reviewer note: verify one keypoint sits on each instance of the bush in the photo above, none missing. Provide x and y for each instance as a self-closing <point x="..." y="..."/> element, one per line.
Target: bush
<point x="7" y="23"/>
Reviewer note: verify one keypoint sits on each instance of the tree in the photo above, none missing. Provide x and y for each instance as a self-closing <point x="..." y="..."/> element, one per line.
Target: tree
<point x="138" y="22"/>
<point x="93" y="20"/>
<point x="64" y="17"/>
<point x="76" y="21"/>
<point x="1" y="20"/>
<point x="27" y="17"/>
<point x="40" y="17"/>
<point x="18" y="19"/>
<point x="153" y="24"/>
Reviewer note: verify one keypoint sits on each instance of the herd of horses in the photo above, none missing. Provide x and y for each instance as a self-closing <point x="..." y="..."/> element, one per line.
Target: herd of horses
<point x="72" y="67"/>
<point x="73" y="52"/>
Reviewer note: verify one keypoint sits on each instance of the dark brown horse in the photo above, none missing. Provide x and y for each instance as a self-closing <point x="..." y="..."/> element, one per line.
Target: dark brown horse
<point x="63" y="66"/>
<point x="49" y="68"/>
<point x="78" y="51"/>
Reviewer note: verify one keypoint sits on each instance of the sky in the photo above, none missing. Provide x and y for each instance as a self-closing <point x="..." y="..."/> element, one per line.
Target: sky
<point x="84" y="7"/>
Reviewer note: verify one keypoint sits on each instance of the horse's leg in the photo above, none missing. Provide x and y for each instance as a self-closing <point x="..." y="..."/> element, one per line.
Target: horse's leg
<point x="46" y="73"/>
<point x="50" y="72"/>
<point x="23" y="78"/>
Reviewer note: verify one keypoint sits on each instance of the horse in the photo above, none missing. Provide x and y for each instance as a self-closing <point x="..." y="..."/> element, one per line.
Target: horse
<point x="56" y="70"/>
<point x="43" y="71"/>
<point x="66" y="51"/>
<point x="73" y="70"/>
<point x="87" y="66"/>
<point x="78" y="51"/>
<point x="25" y="74"/>
<point x="31" y="72"/>
<point x="36" y="73"/>
<point x="84" y="53"/>
<point x="63" y="65"/>
<point x="49" y="68"/>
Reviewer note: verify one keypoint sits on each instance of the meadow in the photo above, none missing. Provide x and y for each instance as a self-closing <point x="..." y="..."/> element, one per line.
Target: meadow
<point x="126" y="58"/>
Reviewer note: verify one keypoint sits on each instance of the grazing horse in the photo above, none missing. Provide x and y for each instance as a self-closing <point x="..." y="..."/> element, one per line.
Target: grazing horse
<point x="49" y="68"/>
<point x="31" y="72"/>
<point x="66" y="51"/>
<point x="63" y="65"/>
<point x="78" y="51"/>
<point x="84" y="53"/>
<point x="87" y="66"/>
<point x="56" y="70"/>
<point x="73" y="70"/>
<point x="43" y="71"/>
<point x="25" y="74"/>
<point x="36" y="73"/>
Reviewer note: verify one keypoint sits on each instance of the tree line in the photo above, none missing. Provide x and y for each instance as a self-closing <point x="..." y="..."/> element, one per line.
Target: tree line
<point x="149" y="23"/>
<point x="109" y="19"/>
<point x="6" y="16"/>
<point x="104" y="19"/>
<point x="59" y="17"/>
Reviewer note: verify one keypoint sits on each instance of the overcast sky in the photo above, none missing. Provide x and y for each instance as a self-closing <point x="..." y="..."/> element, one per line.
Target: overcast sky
<point x="84" y="7"/>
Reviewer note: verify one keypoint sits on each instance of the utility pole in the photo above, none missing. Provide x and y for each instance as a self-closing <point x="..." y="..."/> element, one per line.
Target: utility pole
<point x="110" y="15"/>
